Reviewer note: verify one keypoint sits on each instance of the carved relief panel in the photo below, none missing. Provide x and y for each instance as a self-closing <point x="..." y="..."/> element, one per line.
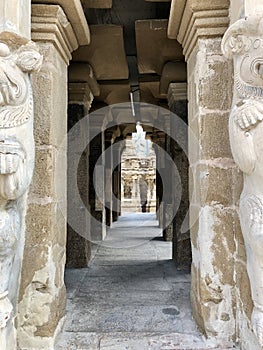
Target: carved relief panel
<point x="243" y="42"/>
<point x="18" y="57"/>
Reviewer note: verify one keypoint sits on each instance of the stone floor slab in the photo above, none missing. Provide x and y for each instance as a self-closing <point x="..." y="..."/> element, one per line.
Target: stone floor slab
<point x="131" y="297"/>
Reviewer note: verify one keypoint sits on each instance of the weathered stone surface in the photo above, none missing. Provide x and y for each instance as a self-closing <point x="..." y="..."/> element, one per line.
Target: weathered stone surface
<point x="53" y="75"/>
<point x="44" y="168"/>
<point x="215" y="182"/>
<point x="214" y="135"/>
<point x="213" y="292"/>
<point x="43" y="282"/>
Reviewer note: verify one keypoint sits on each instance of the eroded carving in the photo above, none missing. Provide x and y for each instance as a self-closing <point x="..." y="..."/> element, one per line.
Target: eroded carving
<point x="243" y="42"/>
<point x="16" y="156"/>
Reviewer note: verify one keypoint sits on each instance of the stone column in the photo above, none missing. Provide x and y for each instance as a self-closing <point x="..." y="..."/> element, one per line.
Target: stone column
<point x="96" y="171"/>
<point x="159" y="139"/>
<point x="216" y="181"/>
<point x="243" y="43"/>
<point x="16" y="18"/>
<point x="168" y="203"/>
<point x="108" y="177"/>
<point x="177" y="101"/>
<point x="42" y="292"/>
<point x="82" y="88"/>
<point x="116" y="178"/>
<point x="18" y="57"/>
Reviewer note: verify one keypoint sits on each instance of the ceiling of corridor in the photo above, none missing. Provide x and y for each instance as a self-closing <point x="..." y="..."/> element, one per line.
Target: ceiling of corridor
<point x="130" y="51"/>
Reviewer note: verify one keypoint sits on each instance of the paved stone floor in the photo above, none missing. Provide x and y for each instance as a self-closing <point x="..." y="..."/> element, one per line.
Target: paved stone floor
<point x="132" y="297"/>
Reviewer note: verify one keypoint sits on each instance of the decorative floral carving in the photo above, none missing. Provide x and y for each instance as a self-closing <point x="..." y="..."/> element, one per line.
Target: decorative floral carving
<point x="15" y="89"/>
<point x="243" y="42"/>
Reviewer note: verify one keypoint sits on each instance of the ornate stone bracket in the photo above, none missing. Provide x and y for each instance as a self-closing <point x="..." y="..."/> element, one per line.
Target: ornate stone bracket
<point x="18" y="57"/>
<point x="243" y="42"/>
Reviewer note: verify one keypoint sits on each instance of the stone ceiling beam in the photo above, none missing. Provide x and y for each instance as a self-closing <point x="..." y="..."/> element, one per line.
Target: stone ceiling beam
<point x="154" y="49"/>
<point x="97" y="4"/>
<point x="74" y="11"/>
<point x="106" y="53"/>
<point x="176" y="13"/>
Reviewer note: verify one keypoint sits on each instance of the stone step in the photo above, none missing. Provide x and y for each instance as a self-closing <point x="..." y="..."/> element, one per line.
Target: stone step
<point x="137" y="341"/>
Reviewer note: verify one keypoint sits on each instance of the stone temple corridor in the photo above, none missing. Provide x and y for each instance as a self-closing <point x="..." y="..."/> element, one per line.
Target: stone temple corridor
<point x="132" y="296"/>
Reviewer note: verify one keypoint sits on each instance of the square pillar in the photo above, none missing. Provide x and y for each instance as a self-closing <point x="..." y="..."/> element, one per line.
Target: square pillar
<point x="97" y="177"/>
<point x="42" y="292"/>
<point x="177" y="101"/>
<point x="216" y="180"/>
<point x="80" y="100"/>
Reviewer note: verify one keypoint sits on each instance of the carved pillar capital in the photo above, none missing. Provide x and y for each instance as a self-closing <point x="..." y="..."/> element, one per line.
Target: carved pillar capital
<point x="197" y="19"/>
<point x="80" y="93"/>
<point x="176" y="92"/>
<point x="50" y="24"/>
<point x="83" y="85"/>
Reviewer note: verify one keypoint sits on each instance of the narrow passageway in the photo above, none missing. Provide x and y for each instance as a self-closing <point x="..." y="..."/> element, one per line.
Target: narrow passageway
<point x="132" y="296"/>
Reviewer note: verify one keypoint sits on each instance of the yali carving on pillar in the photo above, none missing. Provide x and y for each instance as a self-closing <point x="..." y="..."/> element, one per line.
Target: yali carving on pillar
<point x="18" y="57"/>
<point x="243" y="42"/>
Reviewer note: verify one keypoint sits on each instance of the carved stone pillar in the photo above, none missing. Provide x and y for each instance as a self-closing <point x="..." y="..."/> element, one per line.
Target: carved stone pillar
<point x="80" y="99"/>
<point x="108" y="179"/>
<point x="244" y="44"/>
<point x="159" y="139"/>
<point x="116" y="178"/>
<point x="177" y="101"/>
<point x="216" y="181"/>
<point x="18" y="58"/>
<point x="97" y="177"/>
<point x="42" y="291"/>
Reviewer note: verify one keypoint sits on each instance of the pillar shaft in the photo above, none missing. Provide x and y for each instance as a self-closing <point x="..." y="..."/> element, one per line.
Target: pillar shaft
<point x="216" y="180"/>
<point x="177" y="101"/>
<point x="42" y="291"/>
<point x="80" y="100"/>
